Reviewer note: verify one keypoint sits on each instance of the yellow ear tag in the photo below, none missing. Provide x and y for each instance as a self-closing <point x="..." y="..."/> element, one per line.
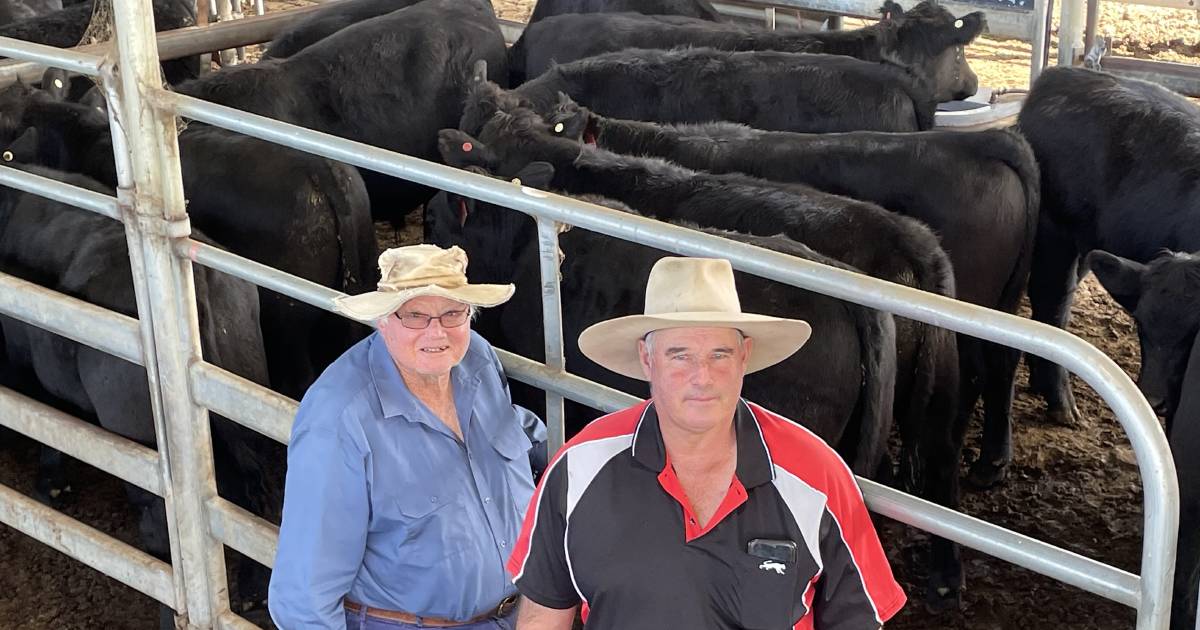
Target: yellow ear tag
<point x="58" y="83"/>
<point x="8" y="156"/>
<point x="558" y="127"/>
<point x="957" y="23"/>
<point x="517" y="181"/>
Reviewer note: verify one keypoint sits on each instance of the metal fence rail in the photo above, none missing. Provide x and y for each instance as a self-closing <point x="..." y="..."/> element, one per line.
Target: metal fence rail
<point x="183" y="387"/>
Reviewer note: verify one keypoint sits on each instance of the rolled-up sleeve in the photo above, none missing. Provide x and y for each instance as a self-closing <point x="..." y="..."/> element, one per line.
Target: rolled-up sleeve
<point x="324" y="531"/>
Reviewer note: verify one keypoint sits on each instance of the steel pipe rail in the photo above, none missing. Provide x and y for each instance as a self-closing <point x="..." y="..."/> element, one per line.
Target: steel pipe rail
<point x="61" y="314"/>
<point x="84" y="441"/>
<point x="69" y="194"/>
<point x="249" y="535"/>
<point x="243" y="401"/>
<point x="132" y="567"/>
<point x="258" y="273"/>
<point x="72" y="59"/>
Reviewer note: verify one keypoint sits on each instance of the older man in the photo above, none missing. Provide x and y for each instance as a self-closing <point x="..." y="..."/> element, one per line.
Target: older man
<point x="697" y="509"/>
<point x="408" y="466"/>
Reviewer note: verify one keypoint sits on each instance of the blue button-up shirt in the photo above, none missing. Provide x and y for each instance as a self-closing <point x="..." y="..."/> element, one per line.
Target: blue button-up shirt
<point x="386" y="507"/>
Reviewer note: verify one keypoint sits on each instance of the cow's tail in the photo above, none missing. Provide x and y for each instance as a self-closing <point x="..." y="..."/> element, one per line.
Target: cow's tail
<point x="1011" y="148"/>
<point x="347" y="196"/>
<point x="874" y="411"/>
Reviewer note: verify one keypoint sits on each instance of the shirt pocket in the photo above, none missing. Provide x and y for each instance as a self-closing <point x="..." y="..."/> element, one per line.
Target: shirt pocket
<point x="766" y="593"/>
<point x="430" y="522"/>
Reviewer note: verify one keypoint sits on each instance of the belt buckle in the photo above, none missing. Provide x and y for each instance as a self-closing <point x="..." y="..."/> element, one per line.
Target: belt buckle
<point x="506" y="606"/>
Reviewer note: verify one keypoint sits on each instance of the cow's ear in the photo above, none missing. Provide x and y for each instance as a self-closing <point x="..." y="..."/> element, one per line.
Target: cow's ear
<point x="892" y="12"/>
<point x="461" y="150"/>
<point x="24" y="149"/>
<point x="57" y="83"/>
<point x="535" y="175"/>
<point x="1122" y="278"/>
<point x="568" y="119"/>
<point x="968" y="27"/>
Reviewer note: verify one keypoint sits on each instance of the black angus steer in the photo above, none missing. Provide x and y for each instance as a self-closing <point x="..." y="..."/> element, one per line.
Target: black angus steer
<point x="764" y="89"/>
<point x="1120" y="172"/>
<point x="1185" y="440"/>
<point x="84" y="255"/>
<point x="840" y="386"/>
<point x="391" y="81"/>
<point x="301" y="213"/>
<point x="326" y="22"/>
<point x="927" y="40"/>
<point x="691" y="8"/>
<point x="901" y="250"/>
<point x="983" y="208"/>
<point x="64" y="29"/>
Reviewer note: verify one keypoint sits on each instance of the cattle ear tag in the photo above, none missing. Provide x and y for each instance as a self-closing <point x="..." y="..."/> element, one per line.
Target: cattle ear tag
<point x="887" y="16"/>
<point x="958" y="23"/>
<point x="58" y="83"/>
<point x="516" y="180"/>
<point x="558" y="127"/>
<point x="8" y="156"/>
<point x="467" y="147"/>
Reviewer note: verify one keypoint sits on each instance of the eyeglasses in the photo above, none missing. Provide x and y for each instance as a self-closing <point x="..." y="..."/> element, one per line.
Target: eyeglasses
<point x="420" y="321"/>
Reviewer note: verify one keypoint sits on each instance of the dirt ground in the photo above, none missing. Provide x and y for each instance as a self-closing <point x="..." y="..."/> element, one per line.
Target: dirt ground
<point x="1077" y="488"/>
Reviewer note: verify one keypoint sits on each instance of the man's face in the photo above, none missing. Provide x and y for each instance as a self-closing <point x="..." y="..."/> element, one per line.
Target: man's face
<point x="695" y="375"/>
<point x="433" y="350"/>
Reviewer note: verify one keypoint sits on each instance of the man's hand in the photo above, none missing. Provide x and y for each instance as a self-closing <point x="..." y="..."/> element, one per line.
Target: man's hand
<point x="534" y="616"/>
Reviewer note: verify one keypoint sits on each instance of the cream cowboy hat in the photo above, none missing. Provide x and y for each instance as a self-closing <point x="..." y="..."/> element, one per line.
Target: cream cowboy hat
<point x="691" y="293"/>
<point x="419" y="270"/>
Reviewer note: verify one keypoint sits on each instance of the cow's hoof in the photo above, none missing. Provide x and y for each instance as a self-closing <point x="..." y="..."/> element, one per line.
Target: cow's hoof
<point x="985" y="474"/>
<point x="54" y="496"/>
<point x="1063" y="417"/>
<point x="943" y="598"/>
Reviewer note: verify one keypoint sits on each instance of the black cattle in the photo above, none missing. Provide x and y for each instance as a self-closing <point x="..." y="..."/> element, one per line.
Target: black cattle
<point x="1185" y="440"/>
<point x="984" y="209"/>
<point x="84" y="255"/>
<point x="927" y="378"/>
<point x="927" y="41"/>
<point x="14" y="10"/>
<point x="1119" y="161"/>
<point x="65" y="28"/>
<point x="840" y="385"/>
<point x="763" y="89"/>
<point x="691" y="8"/>
<point x="326" y="22"/>
<point x="391" y="81"/>
<point x="291" y="210"/>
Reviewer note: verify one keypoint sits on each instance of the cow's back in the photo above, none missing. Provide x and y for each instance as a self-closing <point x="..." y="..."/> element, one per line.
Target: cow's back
<point x="690" y="8"/>
<point x="328" y="21"/>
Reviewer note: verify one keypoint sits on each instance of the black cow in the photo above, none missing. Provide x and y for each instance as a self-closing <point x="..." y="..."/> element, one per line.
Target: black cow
<point x="984" y="209"/>
<point x="1185" y="440"/>
<point x="927" y="379"/>
<point x="65" y="28"/>
<point x="691" y="8"/>
<point x="927" y="41"/>
<point x="1119" y="163"/>
<point x="391" y="81"/>
<point x="326" y="22"/>
<point x="763" y="89"/>
<point x="840" y="385"/>
<point x="84" y="255"/>
<point x="291" y="210"/>
<point x="14" y="10"/>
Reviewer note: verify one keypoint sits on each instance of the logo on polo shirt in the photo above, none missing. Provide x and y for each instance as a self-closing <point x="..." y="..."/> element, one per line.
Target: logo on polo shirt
<point x="771" y="565"/>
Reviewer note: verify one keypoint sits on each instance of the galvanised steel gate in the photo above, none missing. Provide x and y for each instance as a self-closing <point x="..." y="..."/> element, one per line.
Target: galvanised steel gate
<point x="184" y="388"/>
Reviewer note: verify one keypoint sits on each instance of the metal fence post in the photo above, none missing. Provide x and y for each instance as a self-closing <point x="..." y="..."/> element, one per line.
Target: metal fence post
<point x="158" y="215"/>
<point x="552" y="327"/>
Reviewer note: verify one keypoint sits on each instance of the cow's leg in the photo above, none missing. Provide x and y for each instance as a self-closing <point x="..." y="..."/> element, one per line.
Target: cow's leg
<point x="1052" y="283"/>
<point x="53" y="487"/>
<point x="288" y="348"/>
<point x="942" y="439"/>
<point x="995" y="453"/>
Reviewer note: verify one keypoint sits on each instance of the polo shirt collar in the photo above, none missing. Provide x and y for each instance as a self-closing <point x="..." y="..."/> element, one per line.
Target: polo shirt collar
<point x="754" y="465"/>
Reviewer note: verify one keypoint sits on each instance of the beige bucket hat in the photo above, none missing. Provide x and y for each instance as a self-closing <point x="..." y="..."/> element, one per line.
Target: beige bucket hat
<point x="691" y="293"/>
<point x="419" y="270"/>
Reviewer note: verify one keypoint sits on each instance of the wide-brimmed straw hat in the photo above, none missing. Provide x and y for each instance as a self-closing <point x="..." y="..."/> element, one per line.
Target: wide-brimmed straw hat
<point x="419" y="270"/>
<point x="691" y="293"/>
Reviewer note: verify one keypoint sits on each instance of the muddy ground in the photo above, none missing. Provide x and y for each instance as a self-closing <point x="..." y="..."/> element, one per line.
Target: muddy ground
<point x="1075" y="487"/>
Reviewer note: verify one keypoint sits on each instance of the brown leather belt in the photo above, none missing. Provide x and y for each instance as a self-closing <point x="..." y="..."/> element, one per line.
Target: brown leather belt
<point x="502" y="609"/>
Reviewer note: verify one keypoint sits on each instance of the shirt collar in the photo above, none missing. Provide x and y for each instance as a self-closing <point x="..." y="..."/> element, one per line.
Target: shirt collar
<point x="395" y="399"/>
<point x="754" y="465"/>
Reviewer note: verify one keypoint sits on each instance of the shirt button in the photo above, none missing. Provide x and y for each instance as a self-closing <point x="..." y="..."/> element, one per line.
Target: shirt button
<point x="503" y="543"/>
<point x="433" y="499"/>
<point x="487" y="499"/>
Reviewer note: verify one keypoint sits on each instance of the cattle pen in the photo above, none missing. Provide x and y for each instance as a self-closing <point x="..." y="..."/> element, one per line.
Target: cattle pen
<point x="184" y="388"/>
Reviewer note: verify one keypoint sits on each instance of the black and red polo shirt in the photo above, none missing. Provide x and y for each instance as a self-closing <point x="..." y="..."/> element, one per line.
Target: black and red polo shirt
<point x="610" y="528"/>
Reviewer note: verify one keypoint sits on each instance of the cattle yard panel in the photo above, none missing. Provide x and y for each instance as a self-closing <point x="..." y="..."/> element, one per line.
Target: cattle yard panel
<point x="183" y="386"/>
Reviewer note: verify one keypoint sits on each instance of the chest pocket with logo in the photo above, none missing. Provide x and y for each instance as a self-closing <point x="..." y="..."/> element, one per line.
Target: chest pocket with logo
<point x="767" y="593"/>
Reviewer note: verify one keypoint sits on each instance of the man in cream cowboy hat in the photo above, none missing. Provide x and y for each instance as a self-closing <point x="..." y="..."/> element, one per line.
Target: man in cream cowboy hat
<point x="697" y="509"/>
<point x="409" y="468"/>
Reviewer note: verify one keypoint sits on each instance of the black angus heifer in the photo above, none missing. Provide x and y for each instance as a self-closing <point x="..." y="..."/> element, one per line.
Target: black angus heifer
<point x="841" y="387"/>
<point x="64" y="29"/>
<point x="391" y="81"/>
<point x="84" y="255"/>
<point x="1185" y="441"/>
<point x="291" y="210"/>
<point x="1120" y="172"/>
<point x="862" y="235"/>
<point x="927" y="40"/>
<point x="690" y="8"/>
<point x="764" y="89"/>
<point x="326" y="22"/>
<point x="983" y="208"/>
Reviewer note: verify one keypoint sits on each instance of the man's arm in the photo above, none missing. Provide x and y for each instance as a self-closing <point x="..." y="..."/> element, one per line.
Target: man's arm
<point x="534" y="616"/>
<point x="534" y="428"/>
<point x="324" y="531"/>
